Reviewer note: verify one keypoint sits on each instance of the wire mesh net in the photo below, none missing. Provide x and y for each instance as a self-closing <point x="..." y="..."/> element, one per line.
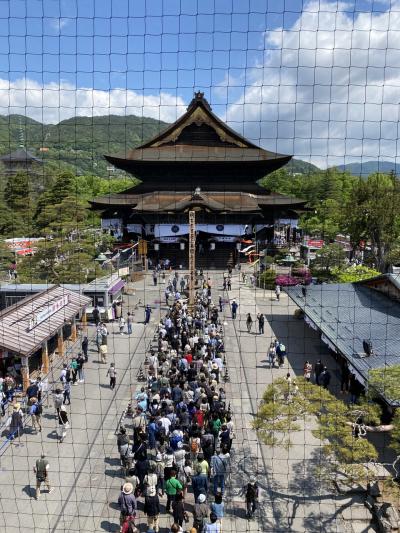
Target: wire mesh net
<point x="199" y="211"/>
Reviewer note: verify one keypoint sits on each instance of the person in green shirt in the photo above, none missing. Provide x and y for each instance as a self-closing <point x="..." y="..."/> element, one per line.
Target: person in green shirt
<point x="74" y="370"/>
<point x="172" y="486"/>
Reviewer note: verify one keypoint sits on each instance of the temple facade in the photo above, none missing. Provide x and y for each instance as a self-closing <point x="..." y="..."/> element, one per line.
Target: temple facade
<point x="199" y="163"/>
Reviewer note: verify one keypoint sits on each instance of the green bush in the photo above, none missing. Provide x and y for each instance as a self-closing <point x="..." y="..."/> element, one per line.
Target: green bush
<point x="266" y="280"/>
<point x="268" y="260"/>
<point x="353" y="273"/>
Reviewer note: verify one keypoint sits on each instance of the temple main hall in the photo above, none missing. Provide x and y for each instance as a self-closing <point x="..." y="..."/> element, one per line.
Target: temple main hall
<point x="199" y="163"/>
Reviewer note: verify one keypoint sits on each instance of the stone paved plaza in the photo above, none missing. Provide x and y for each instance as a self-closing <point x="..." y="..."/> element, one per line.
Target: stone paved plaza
<point x="85" y="468"/>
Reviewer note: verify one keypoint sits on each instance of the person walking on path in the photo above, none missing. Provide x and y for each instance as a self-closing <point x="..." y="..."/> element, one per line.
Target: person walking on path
<point x="249" y="322"/>
<point x="261" y="321"/>
<point x="113" y="376"/>
<point x="147" y="314"/>
<point x="63" y="423"/>
<point x="81" y="363"/>
<point x="178" y="509"/>
<point x="278" y="292"/>
<point x="229" y="283"/>
<point x="234" y="307"/>
<point x="16" y="423"/>
<point x="307" y="370"/>
<point x="58" y="400"/>
<point x="219" y="468"/>
<point x="250" y="492"/>
<point x="74" y="370"/>
<point x="155" y="278"/>
<point x="212" y="526"/>
<point x="41" y="469"/>
<point x="325" y="378"/>
<point x="67" y="392"/>
<point x="200" y="513"/>
<point x="85" y="348"/>
<point x="127" y="503"/>
<point x="217" y="507"/>
<point x="96" y="315"/>
<point x="36" y="414"/>
<point x="152" y="508"/>
<point x="318" y="368"/>
<point x="121" y="325"/>
<point x="129" y="323"/>
<point x="103" y="353"/>
<point x="281" y="354"/>
<point x="271" y="355"/>
<point x="172" y="486"/>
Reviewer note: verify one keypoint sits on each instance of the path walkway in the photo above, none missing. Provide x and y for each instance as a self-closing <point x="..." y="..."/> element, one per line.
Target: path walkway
<point x="85" y="468"/>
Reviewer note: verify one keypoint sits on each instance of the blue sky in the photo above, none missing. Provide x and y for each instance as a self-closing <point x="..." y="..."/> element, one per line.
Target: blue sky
<point x="315" y="78"/>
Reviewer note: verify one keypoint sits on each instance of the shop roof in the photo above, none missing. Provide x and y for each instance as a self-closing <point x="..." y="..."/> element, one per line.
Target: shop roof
<point x="349" y="313"/>
<point x="105" y="283"/>
<point x="18" y="332"/>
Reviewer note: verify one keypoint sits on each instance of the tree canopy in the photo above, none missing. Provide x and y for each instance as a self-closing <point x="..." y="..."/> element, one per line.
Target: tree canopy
<point x="286" y="407"/>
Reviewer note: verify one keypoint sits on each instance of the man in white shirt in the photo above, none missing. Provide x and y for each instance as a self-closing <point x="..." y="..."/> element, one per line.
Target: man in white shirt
<point x="166" y="424"/>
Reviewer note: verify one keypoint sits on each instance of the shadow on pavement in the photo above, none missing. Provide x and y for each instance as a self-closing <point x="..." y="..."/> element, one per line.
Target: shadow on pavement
<point x="29" y="491"/>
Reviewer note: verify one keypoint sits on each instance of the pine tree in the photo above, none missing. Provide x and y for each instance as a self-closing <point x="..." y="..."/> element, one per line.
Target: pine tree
<point x="17" y="191"/>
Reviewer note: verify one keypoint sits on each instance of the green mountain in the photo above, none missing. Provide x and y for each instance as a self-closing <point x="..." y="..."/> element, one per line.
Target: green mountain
<point x="80" y="143"/>
<point x="297" y="166"/>
<point x="370" y="167"/>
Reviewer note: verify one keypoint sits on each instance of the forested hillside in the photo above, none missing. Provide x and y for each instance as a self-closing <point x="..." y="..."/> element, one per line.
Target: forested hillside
<point x="77" y="144"/>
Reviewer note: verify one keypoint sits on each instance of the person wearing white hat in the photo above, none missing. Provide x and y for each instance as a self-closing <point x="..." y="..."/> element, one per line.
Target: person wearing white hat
<point x="152" y="508"/>
<point x="200" y="513"/>
<point x="127" y="503"/>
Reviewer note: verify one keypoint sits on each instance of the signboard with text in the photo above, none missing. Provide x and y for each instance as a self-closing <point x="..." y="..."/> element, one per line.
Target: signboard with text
<point x="48" y="311"/>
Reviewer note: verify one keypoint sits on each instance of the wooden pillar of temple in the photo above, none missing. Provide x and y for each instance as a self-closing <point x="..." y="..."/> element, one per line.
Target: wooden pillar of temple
<point x="73" y="330"/>
<point x="25" y="373"/>
<point x="84" y="320"/>
<point x="60" y="343"/>
<point x="45" y="358"/>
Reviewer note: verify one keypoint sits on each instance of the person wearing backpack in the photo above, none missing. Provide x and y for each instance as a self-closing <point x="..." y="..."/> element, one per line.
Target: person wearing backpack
<point x="250" y="492"/>
<point x="41" y="470"/>
<point x="36" y="414"/>
<point x="172" y="486"/>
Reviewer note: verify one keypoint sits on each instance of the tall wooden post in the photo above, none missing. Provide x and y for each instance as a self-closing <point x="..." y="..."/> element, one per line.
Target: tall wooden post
<point x="73" y="330"/>
<point x="25" y="373"/>
<point x="192" y="256"/>
<point x="45" y="358"/>
<point x="84" y="320"/>
<point x="60" y="343"/>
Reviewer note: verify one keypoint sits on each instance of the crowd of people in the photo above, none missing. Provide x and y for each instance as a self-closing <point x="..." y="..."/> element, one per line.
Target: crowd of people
<point x="182" y="431"/>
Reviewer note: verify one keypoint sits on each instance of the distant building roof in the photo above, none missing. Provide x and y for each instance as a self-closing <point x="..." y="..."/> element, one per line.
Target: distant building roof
<point x="35" y="319"/>
<point x="21" y="156"/>
<point x="348" y="313"/>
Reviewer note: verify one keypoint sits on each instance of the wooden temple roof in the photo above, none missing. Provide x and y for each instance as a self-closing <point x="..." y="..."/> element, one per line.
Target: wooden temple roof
<point x="20" y="156"/>
<point x="218" y="202"/>
<point x="199" y="147"/>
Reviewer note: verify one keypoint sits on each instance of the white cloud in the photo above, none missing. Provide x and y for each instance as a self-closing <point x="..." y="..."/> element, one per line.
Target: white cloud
<point x="59" y="23"/>
<point x="329" y="88"/>
<point x="54" y="102"/>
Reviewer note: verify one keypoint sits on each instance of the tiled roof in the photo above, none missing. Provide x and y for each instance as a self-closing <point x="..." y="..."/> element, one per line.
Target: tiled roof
<point x="16" y="333"/>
